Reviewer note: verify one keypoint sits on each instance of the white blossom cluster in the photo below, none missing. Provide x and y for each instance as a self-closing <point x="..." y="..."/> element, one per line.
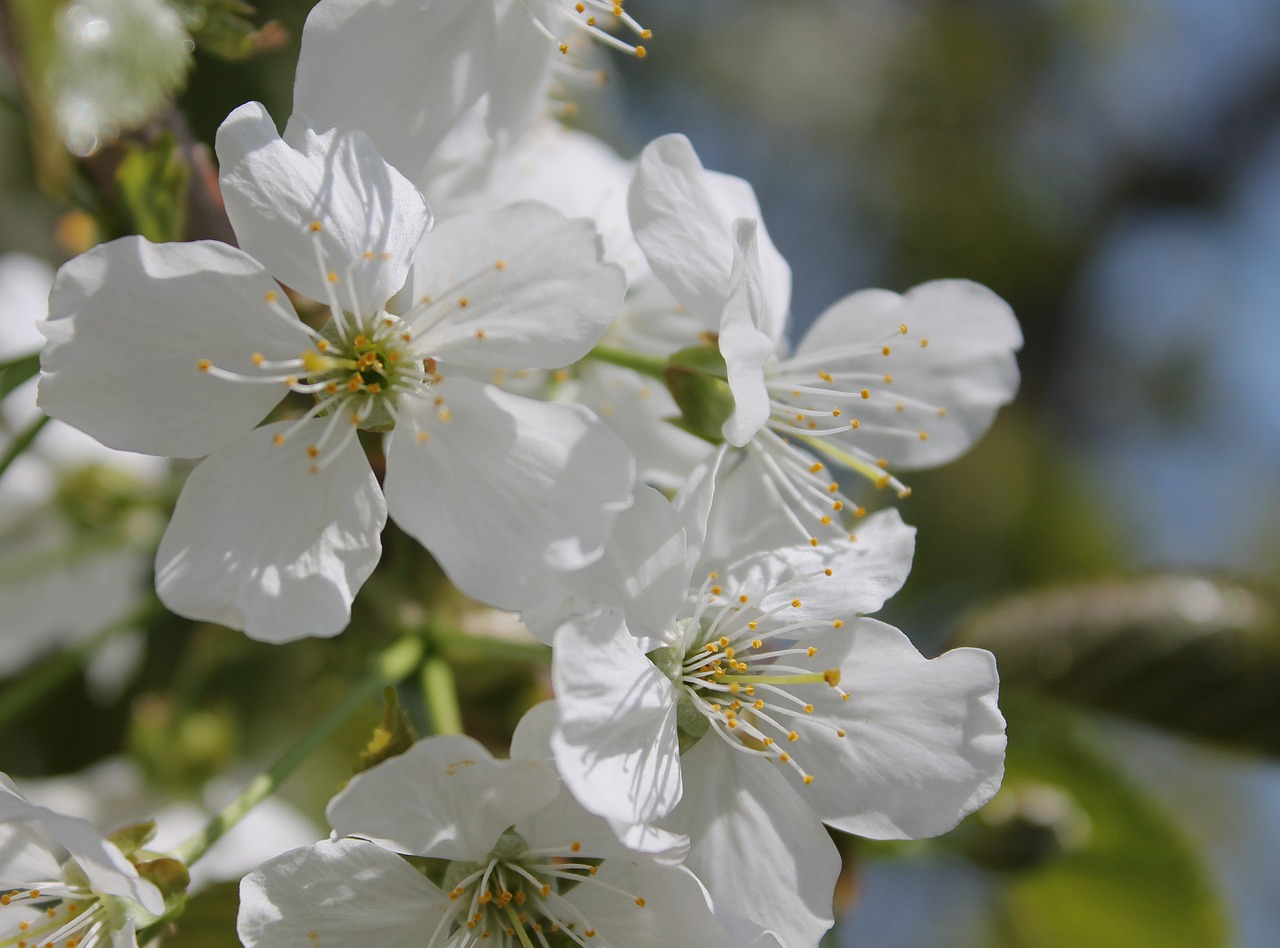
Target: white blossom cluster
<point x="498" y="290"/>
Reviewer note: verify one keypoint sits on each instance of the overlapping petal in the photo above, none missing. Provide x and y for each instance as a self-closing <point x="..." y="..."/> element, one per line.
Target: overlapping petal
<point x="503" y="489"/>
<point x="401" y="71"/>
<point x="446" y="797"/>
<point x="323" y="212"/>
<point x="520" y="287"/>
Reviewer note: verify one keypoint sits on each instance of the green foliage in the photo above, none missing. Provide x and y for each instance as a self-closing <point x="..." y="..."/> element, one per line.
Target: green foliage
<point x="1122" y="876"/>
<point x="224" y="29"/>
<point x="393" y="736"/>
<point x="16" y="371"/>
<point x="207" y="919"/>
<point x="151" y="184"/>
<point x="1195" y="655"/>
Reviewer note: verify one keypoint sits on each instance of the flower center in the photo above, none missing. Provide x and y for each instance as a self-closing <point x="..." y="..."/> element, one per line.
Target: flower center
<point x="748" y="675"/>
<point x="517" y="897"/>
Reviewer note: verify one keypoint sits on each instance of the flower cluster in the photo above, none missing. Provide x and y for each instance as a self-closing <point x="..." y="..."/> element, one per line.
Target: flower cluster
<point x="447" y="308"/>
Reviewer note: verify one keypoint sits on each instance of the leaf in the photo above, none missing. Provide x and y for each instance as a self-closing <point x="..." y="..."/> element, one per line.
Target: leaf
<point x="1124" y="875"/>
<point x="393" y="736"/>
<point x="151" y="182"/>
<point x="16" y="371"/>
<point x="222" y="28"/>
<point x="1195" y="655"/>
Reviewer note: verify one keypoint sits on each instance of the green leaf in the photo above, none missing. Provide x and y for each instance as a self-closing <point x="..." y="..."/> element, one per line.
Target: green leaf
<point x="223" y="29"/>
<point x="1124" y="876"/>
<point x="1195" y="655"/>
<point x="151" y="182"/>
<point x="393" y="736"/>
<point x="208" y="920"/>
<point x="16" y="371"/>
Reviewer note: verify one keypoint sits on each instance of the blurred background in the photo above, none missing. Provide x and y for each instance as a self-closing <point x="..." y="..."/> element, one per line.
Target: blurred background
<point x="1110" y="167"/>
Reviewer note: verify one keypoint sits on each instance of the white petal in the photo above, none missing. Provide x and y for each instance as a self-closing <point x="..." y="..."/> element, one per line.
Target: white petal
<point x="370" y="217"/>
<point x="643" y="571"/>
<point x="745" y="348"/>
<point x="616" y="744"/>
<point x="400" y="70"/>
<point x="636" y="407"/>
<point x="445" y="797"/>
<point x="129" y="323"/>
<point x="760" y="851"/>
<point x="674" y="912"/>
<point x="519" y="88"/>
<point x="950" y="373"/>
<point x="345" y="892"/>
<point x="924" y="742"/>
<point x="106" y="868"/>
<point x="536" y="292"/>
<point x="24" y="857"/>
<point x="863" y="574"/>
<point x="259" y="543"/>
<point x="681" y="216"/>
<point x="505" y="489"/>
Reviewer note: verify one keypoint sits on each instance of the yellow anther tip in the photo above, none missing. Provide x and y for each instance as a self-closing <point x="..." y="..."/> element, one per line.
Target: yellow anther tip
<point x="641" y="52"/>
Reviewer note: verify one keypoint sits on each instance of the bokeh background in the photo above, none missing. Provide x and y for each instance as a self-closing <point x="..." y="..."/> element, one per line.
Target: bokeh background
<point x="1110" y="167"/>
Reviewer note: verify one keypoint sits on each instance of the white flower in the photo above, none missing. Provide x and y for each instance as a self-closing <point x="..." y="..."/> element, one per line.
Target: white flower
<point x="181" y="349"/>
<point x="744" y="710"/>
<point x="879" y="380"/>
<point x="60" y="881"/>
<point x="524" y="863"/>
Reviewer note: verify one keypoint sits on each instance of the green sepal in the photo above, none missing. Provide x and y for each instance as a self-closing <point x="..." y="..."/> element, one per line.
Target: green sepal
<point x="129" y="839"/>
<point x="392" y="737"/>
<point x="171" y="877"/>
<point x="698" y="381"/>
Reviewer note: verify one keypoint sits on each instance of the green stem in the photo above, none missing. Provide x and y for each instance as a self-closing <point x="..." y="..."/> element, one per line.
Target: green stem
<point x="391" y="666"/>
<point x="22" y="442"/>
<point x="21" y="694"/>
<point x="651" y="365"/>
<point x="441" y="694"/>
<point x="463" y="645"/>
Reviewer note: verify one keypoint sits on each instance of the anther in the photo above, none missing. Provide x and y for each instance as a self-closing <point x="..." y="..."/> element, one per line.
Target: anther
<point x="865" y="393"/>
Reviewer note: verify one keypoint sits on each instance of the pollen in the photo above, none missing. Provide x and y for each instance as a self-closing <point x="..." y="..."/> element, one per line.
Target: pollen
<point x="924" y="343"/>
<point x="902" y="328"/>
<point x="333" y="277"/>
<point x="312" y="451"/>
<point x="564" y="48"/>
<point x="815" y="467"/>
<point x="315" y="227"/>
<point x="838" y="505"/>
<point x="813" y="541"/>
<point x="865" y="393"/>
<point x="423" y="437"/>
<point x="888" y="379"/>
<point x="831" y="676"/>
<point x="924" y="436"/>
<point x="278" y="440"/>
<point x="743" y="599"/>
<point x="270" y="296"/>
<point x="855" y="423"/>
<point x="500" y="265"/>
<point x="837" y="624"/>
<point x="641" y="52"/>
<point x="640" y="902"/>
<point x="885" y="351"/>
<point x="575" y="846"/>
<point x="796" y="603"/>
<point x="479" y="333"/>
<point x="793" y="736"/>
<point x="808" y="779"/>
<point x="827" y="572"/>
<point x="832" y="487"/>
<point x="464" y="302"/>
<point x="204" y="365"/>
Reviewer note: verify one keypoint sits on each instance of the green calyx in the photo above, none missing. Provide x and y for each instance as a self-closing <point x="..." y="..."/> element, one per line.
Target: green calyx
<point x="699" y="383"/>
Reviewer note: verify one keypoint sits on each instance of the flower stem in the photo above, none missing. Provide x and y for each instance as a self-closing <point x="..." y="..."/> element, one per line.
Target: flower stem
<point x="441" y="693"/>
<point x="651" y="365"/>
<point x="391" y="666"/>
<point x="22" y="442"/>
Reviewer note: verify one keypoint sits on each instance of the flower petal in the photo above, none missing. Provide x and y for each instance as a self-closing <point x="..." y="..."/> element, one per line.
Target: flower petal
<point x="924" y="742"/>
<point x="862" y="575"/>
<point x="739" y="811"/>
<point x="129" y="323"/>
<point x="521" y="287"/>
<point x="643" y="572"/>
<point x="616" y="745"/>
<point x="369" y="216"/>
<point x="445" y="797"/>
<point x="400" y="70"/>
<point x="681" y="216"/>
<point x="949" y="374"/>
<point x="344" y="892"/>
<point x="745" y="348"/>
<point x="259" y="543"/>
<point x="502" y="489"/>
